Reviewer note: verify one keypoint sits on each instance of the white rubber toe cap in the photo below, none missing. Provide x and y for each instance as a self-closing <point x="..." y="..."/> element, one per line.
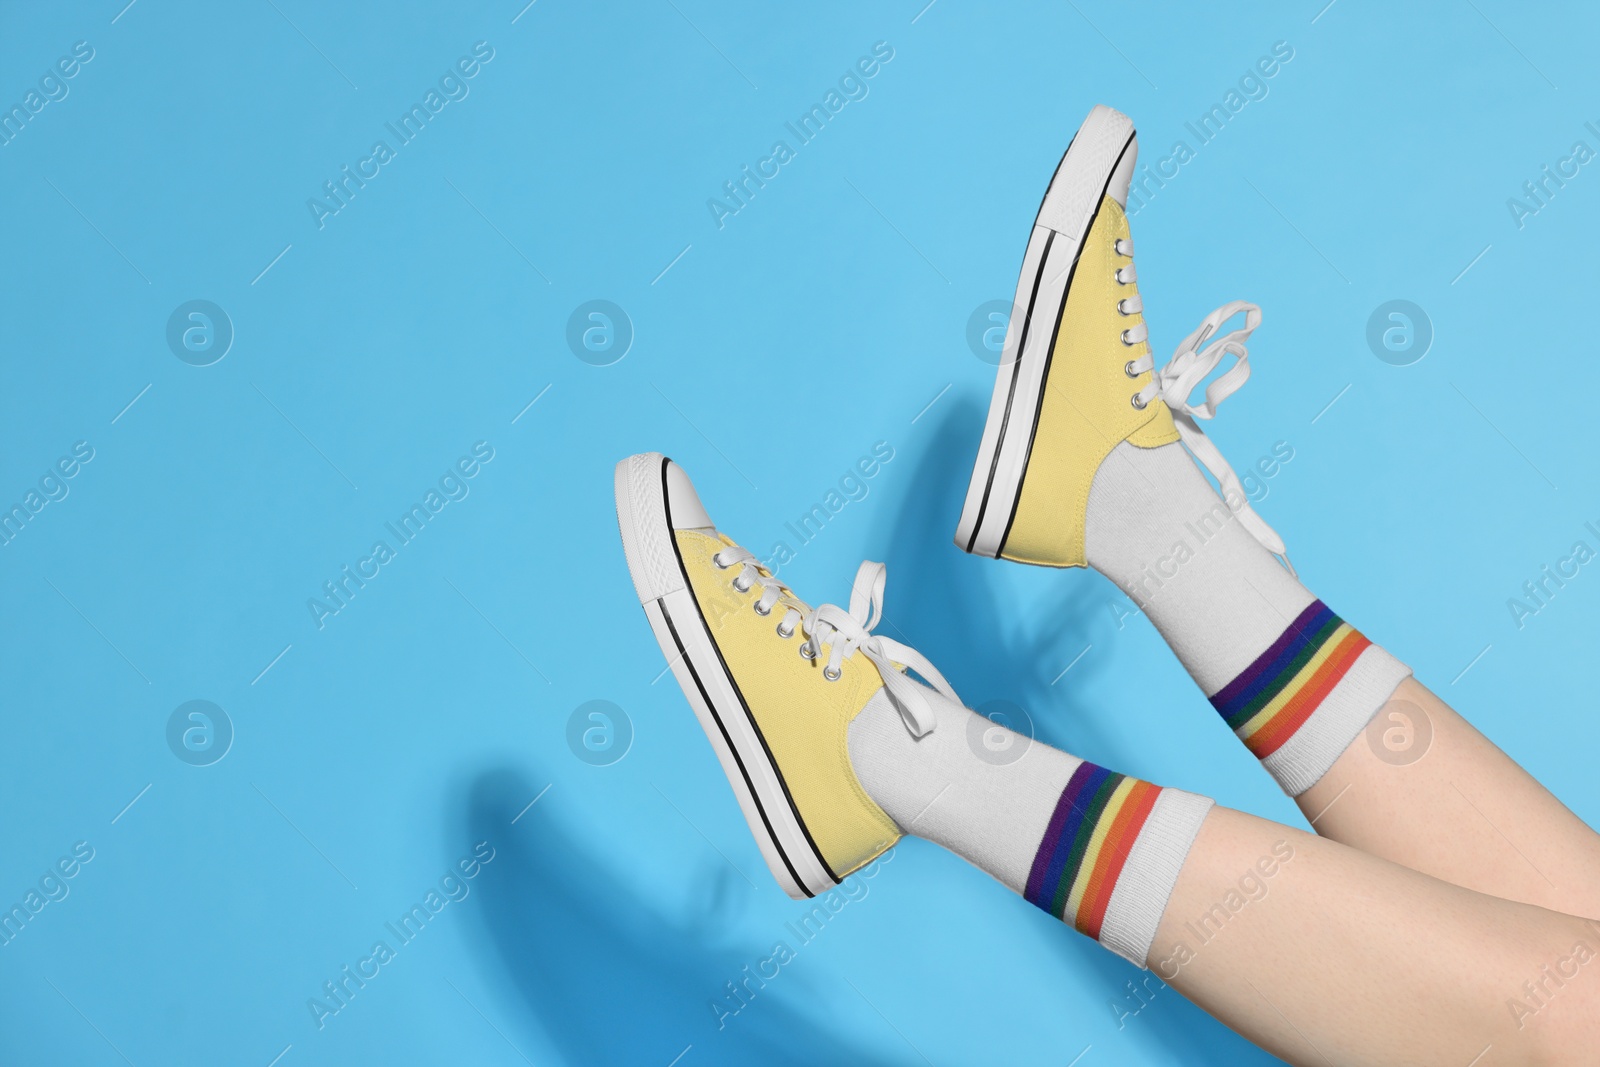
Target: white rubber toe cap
<point x="654" y="498"/>
<point x="683" y="503"/>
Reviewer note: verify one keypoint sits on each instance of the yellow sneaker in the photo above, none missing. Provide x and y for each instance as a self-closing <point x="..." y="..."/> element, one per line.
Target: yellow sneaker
<point x="774" y="683"/>
<point x="1074" y="373"/>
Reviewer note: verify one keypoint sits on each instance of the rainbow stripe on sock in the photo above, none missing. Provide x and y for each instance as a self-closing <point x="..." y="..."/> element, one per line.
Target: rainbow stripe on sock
<point x="1277" y="693"/>
<point x="1086" y="844"/>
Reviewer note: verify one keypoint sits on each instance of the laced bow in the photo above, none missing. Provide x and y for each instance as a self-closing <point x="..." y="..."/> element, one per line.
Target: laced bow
<point x="843" y="633"/>
<point x="1173" y="383"/>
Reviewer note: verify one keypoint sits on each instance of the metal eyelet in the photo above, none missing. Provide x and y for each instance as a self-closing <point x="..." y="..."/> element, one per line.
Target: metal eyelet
<point x="1122" y="310"/>
<point x="716" y="558"/>
<point x="1138" y="405"/>
<point x="1125" y="340"/>
<point x="760" y="610"/>
<point x="1127" y="368"/>
<point x="745" y="588"/>
<point x="806" y="651"/>
<point x="785" y="634"/>
<point x="830" y="674"/>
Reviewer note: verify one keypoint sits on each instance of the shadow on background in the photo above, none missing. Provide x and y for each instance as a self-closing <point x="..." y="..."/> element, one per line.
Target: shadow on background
<point x="952" y="608"/>
<point x="606" y="976"/>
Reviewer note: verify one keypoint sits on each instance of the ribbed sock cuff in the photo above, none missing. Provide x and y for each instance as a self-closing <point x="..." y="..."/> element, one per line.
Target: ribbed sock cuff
<point x="1110" y="855"/>
<point x="1300" y="703"/>
<point x="1338" y="720"/>
<point x="1141" y="894"/>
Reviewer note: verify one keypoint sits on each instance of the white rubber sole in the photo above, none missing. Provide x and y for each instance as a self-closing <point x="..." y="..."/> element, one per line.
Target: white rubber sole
<point x="644" y="517"/>
<point x="1092" y="162"/>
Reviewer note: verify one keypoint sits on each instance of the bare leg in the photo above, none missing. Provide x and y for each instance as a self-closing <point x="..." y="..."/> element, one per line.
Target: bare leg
<point x="1339" y="957"/>
<point x="1321" y="953"/>
<point x="1277" y="664"/>
<point x="1423" y="788"/>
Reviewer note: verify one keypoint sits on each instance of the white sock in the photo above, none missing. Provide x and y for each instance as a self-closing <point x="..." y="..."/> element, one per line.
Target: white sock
<point x="1095" y="848"/>
<point x="1294" y="681"/>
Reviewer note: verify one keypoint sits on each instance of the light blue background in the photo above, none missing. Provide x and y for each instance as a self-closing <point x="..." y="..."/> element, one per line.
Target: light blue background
<point x="822" y="318"/>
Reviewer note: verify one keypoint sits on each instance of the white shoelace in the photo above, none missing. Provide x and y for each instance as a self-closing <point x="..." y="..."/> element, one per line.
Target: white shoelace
<point x="847" y="632"/>
<point x="1175" y="382"/>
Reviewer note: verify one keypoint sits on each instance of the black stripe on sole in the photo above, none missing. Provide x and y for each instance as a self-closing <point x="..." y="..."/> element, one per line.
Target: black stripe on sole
<point x="1016" y="373"/>
<point x="1049" y="355"/>
<point x="683" y="654"/>
<point x="666" y="506"/>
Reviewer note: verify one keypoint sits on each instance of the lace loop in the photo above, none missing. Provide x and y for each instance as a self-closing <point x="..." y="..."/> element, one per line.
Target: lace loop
<point x="1173" y="383"/>
<point x="848" y="632"/>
